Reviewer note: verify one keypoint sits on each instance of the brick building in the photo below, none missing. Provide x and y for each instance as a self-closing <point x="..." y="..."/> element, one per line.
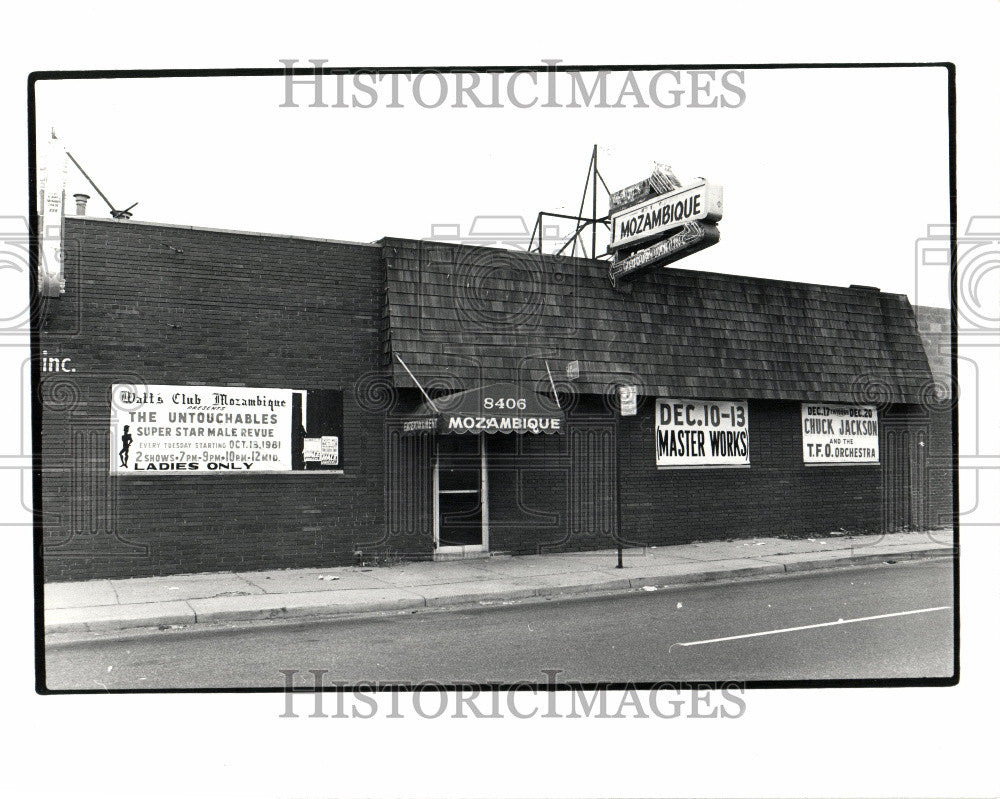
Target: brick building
<point x="411" y="399"/>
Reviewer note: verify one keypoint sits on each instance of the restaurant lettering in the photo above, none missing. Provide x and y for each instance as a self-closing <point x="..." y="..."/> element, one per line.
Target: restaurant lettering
<point x="420" y="424"/>
<point x="694" y="433"/>
<point x="839" y="433"/>
<point x="501" y="424"/>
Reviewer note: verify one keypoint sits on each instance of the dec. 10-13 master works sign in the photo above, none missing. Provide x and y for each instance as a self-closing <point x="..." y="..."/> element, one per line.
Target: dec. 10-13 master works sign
<point x="699" y="433"/>
<point x="170" y="429"/>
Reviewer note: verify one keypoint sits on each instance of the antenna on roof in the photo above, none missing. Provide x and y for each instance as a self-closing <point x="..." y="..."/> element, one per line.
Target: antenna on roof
<point x="115" y="213"/>
<point x="582" y="222"/>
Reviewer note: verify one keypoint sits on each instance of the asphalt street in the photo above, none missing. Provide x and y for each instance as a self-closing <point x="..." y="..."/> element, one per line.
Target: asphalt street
<point x="801" y="627"/>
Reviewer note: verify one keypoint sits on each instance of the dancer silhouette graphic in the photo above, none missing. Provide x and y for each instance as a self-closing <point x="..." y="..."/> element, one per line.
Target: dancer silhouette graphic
<point x="126" y="443"/>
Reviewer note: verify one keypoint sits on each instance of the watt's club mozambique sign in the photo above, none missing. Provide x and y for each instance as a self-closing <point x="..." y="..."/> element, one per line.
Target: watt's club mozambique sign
<point x="839" y="433"/>
<point x="699" y="433"/>
<point x="170" y="429"/>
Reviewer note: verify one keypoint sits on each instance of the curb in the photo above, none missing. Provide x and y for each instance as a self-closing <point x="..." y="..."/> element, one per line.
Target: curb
<point x="163" y="615"/>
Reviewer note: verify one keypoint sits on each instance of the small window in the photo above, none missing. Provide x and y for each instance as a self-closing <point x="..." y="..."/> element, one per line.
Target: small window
<point x="318" y="430"/>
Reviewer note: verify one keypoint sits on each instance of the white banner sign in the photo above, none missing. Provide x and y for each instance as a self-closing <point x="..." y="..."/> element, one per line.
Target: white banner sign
<point x="175" y="429"/>
<point x="51" y="278"/>
<point x="701" y="202"/>
<point x="628" y="397"/>
<point x="693" y="433"/>
<point x="839" y="433"/>
<point x="311" y="449"/>
<point x="329" y="451"/>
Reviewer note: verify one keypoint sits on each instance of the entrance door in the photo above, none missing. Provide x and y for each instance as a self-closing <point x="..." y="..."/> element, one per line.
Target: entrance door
<point x="904" y="477"/>
<point x="461" y="510"/>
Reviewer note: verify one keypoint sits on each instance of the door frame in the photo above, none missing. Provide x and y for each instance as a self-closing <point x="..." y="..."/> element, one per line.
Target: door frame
<point x="466" y="550"/>
<point x="903" y="454"/>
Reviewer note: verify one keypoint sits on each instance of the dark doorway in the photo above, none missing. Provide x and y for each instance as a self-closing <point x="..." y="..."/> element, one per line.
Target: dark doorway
<point x="904" y="478"/>
<point x="460" y="478"/>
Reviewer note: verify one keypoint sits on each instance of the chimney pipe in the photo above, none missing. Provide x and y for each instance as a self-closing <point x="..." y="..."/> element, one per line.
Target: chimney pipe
<point x="81" y="203"/>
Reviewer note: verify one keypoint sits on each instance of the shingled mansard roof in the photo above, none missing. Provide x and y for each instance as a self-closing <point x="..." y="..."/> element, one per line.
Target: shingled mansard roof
<point x="462" y="316"/>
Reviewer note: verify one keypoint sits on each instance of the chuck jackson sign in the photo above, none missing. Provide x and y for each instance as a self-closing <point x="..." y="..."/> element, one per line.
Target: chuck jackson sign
<point x="700" y="433"/>
<point x="162" y="429"/>
<point x="839" y="433"/>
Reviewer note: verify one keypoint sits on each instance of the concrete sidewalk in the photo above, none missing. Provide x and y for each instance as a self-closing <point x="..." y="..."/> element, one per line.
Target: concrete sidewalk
<point x="101" y="606"/>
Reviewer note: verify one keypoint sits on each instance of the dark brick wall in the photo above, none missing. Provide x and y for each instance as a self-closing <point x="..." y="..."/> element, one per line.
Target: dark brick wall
<point x="917" y="461"/>
<point x="941" y="460"/>
<point x="777" y="495"/>
<point x="557" y="492"/>
<point x="158" y="304"/>
<point x="934" y="325"/>
<point x="179" y="306"/>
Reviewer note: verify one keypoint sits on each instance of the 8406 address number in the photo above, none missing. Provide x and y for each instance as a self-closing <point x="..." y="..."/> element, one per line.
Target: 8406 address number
<point x="504" y="404"/>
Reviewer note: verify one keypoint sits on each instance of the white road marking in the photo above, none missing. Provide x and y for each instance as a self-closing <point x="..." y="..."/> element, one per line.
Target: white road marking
<point x="812" y="626"/>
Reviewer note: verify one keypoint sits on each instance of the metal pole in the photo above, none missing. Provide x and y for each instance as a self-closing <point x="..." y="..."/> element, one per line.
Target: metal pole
<point x="604" y="184"/>
<point x="414" y="379"/>
<point x="534" y="230"/>
<point x="553" y="384"/>
<point x="593" y="215"/>
<point x="583" y="204"/>
<point x="581" y="219"/>
<point x="91" y="182"/>
<point x="573" y="240"/>
<point x="618" y="487"/>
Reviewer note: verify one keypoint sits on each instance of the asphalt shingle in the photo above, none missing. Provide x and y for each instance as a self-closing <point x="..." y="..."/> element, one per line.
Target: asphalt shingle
<point x="475" y="314"/>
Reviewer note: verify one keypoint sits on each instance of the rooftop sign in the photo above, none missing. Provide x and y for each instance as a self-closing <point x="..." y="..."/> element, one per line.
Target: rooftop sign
<point x="652" y="218"/>
<point x="692" y="237"/>
<point x="657" y="221"/>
